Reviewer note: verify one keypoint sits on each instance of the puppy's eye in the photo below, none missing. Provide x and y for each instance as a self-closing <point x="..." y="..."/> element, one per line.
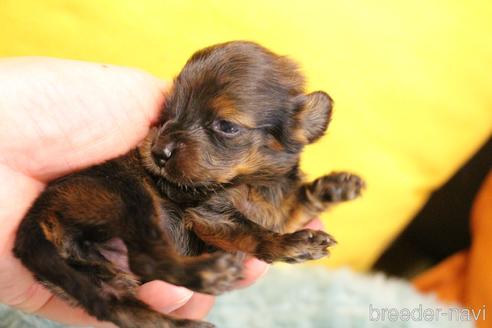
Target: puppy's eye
<point x="225" y="127"/>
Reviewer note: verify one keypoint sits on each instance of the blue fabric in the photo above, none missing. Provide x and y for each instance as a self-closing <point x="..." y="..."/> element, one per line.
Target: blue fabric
<point x="307" y="297"/>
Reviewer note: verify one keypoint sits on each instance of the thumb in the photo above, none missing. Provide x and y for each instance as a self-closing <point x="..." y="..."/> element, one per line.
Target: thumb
<point x="65" y="115"/>
<point x="164" y="297"/>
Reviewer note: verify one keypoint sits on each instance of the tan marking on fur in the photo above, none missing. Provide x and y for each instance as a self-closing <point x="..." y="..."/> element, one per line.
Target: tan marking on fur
<point x="241" y="241"/>
<point x="300" y="137"/>
<point x="145" y="152"/>
<point x="225" y="108"/>
<point x="274" y="144"/>
<point x="299" y="217"/>
<point x="303" y="212"/>
<point x="253" y="206"/>
<point x="249" y="164"/>
<point x="53" y="231"/>
<point x="92" y="202"/>
<point x="299" y="133"/>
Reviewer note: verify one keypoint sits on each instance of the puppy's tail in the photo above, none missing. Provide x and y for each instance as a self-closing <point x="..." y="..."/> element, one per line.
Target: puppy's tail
<point x="41" y="257"/>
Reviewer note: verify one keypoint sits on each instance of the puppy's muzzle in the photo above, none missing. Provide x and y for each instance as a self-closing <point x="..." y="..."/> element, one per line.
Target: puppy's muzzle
<point x="161" y="154"/>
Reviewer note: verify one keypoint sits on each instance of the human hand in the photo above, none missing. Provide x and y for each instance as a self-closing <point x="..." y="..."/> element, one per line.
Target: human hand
<point x="57" y="116"/>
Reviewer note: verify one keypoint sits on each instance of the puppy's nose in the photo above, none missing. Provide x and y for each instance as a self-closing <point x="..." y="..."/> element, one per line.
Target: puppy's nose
<point x="162" y="155"/>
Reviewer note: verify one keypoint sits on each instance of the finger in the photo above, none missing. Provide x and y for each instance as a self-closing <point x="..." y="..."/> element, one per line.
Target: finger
<point x="16" y="283"/>
<point x="315" y="224"/>
<point x="164" y="297"/>
<point x="66" y="115"/>
<point x="253" y="270"/>
<point x="196" y="308"/>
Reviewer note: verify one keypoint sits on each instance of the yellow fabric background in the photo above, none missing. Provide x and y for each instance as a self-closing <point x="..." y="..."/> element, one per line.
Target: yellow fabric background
<point x="411" y="80"/>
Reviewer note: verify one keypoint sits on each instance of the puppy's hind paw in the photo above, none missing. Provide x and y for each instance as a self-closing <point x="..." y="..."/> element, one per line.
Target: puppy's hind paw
<point x="220" y="275"/>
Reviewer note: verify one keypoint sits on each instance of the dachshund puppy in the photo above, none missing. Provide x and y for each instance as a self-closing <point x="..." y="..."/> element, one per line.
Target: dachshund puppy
<point x="216" y="178"/>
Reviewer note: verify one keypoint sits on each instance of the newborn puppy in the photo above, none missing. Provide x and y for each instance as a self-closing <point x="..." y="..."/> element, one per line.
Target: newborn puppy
<point x="217" y="177"/>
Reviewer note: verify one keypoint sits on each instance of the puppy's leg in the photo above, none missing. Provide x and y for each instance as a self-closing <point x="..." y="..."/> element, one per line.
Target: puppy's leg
<point x="94" y="286"/>
<point x="153" y="259"/>
<point x="56" y="241"/>
<point x="79" y="273"/>
<point x="315" y="197"/>
<point x="132" y="313"/>
<point x="236" y="233"/>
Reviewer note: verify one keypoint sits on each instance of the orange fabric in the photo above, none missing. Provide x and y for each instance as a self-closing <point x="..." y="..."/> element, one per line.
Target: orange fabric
<point x="466" y="277"/>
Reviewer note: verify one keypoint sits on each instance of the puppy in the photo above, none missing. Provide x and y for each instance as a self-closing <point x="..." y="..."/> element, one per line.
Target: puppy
<point x="217" y="177"/>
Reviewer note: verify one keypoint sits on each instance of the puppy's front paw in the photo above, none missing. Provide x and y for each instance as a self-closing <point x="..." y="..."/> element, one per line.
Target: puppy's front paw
<point x="306" y="245"/>
<point x="338" y="187"/>
<point x="220" y="275"/>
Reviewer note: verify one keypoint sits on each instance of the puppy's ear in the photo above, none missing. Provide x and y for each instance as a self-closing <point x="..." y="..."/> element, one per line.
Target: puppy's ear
<point x="313" y="116"/>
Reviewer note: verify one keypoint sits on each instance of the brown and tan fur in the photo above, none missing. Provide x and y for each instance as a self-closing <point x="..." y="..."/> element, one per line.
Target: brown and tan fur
<point x="216" y="178"/>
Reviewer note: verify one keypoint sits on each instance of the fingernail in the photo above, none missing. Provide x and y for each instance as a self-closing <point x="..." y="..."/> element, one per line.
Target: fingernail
<point x="162" y="296"/>
<point x="251" y="272"/>
<point x="264" y="271"/>
<point x="255" y="262"/>
<point x="182" y="296"/>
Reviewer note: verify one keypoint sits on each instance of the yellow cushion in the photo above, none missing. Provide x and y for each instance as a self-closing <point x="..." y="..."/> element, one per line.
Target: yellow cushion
<point x="411" y="81"/>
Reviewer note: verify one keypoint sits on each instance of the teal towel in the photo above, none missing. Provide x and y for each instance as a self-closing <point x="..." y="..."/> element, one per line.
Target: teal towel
<point x="311" y="297"/>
